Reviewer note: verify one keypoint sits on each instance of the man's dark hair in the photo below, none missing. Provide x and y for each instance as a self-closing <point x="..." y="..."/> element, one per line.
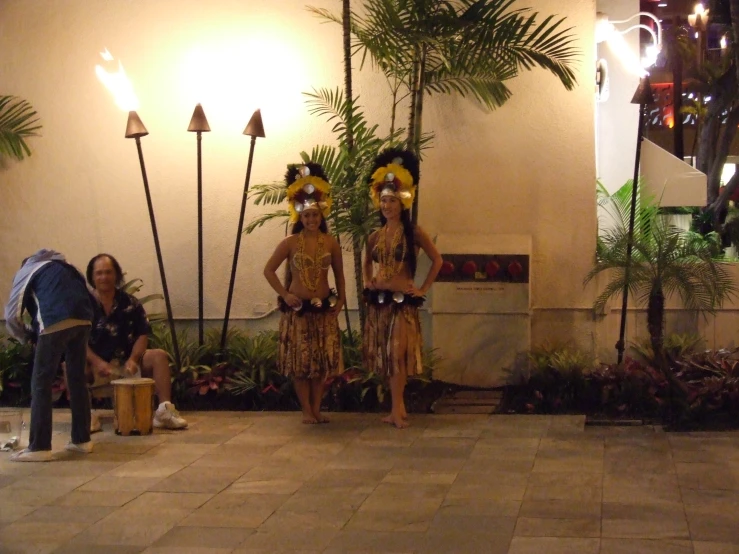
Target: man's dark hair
<point x="116" y="268"/>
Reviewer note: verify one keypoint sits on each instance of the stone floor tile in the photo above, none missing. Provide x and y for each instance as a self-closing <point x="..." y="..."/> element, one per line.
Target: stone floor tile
<point x="196" y="479"/>
<point x="141" y="530"/>
<point x="107" y="482"/>
<point x="62" y="514"/>
<point x="322" y="517"/>
<point x="508" y="465"/>
<point x="714" y="527"/>
<point x="368" y="542"/>
<point x="560" y="509"/>
<point x="582" y="487"/>
<point x="29" y="548"/>
<point x="301" y="452"/>
<point x="553" y="545"/>
<point x="327" y="479"/>
<point x="420" y="477"/>
<point x="479" y="507"/>
<point x="505" y="448"/>
<point x="452" y="533"/>
<point x="146" y="468"/>
<point x="42" y="532"/>
<point x="644" y="527"/>
<point x="44" y="482"/>
<point x="491" y="478"/>
<point x="438" y="465"/>
<point x="553" y="463"/>
<point x="277" y="541"/>
<point x="449" y="432"/>
<point x="274" y="486"/>
<point x="204" y="537"/>
<point x="33" y="497"/>
<point x="98" y="549"/>
<point x="186" y="550"/>
<point x="710" y="501"/>
<point x="640" y="546"/>
<point x="636" y="487"/>
<point x="550" y="527"/>
<point x="709" y="547"/>
<point x="229" y="509"/>
<point x="273" y="469"/>
<point x="487" y="491"/>
<point x="396" y="497"/>
<point x="346" y="500"/>
<point x="448" y="484"/>
<point x="708" y="476"/>
<point x="416" y="521"/>
<point x="96" y="498"/>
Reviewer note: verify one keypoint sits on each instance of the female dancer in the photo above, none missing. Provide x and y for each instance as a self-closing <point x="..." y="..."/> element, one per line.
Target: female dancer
<point x="310" y="343"/>
<point x="392" y="335"/>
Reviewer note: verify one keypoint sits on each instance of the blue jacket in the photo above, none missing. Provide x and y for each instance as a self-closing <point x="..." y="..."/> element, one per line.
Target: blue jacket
<point x="51" y="290"/>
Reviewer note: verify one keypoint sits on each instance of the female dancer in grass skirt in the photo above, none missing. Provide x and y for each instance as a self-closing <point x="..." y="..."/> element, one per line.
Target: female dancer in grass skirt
<point x="392" y="342"/>
<point x="310" y="342"/>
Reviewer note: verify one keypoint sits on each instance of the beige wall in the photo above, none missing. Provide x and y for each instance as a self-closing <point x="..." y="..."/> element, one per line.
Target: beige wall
<point x="527" y="168"/>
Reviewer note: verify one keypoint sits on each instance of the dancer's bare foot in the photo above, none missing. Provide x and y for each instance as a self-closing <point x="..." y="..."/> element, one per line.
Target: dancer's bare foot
<point x="398" y="421"/>
<point x="320" y="418"/>
<point x="308" y="419"/>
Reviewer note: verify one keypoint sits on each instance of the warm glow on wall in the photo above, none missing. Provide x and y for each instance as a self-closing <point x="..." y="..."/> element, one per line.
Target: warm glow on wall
<point x="113" y="76"/>
<point x="231" y="77"/>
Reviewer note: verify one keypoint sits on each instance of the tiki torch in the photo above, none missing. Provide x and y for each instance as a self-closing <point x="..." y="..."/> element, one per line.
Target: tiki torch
<point x="125" y="97"/>
<point x="643" y="97"/>
<point x="199" y="125"/>
<point x="254" y="129"/>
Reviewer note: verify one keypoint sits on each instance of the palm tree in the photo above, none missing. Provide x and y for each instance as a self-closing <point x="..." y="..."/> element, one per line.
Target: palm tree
<point x="665" y="261"/>
<point x="468" y="47"/>
<point x="18" y="121"/>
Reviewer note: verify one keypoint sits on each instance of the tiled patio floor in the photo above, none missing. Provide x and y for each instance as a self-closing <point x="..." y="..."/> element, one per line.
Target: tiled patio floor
<point x="248" y="482"/>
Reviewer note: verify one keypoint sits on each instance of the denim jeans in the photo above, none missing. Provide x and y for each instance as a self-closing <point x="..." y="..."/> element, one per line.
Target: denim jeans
<point x="72" y="343"/>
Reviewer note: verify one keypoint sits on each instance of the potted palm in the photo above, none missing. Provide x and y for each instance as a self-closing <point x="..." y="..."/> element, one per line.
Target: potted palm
<point x="665" y="261"/>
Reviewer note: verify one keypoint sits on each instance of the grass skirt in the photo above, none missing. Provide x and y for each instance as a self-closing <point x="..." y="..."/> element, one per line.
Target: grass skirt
<point x="392" y="339"/>
<point x="310" y="345"/>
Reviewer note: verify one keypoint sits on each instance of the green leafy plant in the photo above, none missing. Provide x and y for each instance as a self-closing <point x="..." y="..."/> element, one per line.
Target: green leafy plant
<point x="192" y="356"/>
<point x="465" y="47"/>
<point x="676" y="346"/>
<point x="15" y="363"/>
<point x="18" y="122"/>
<point x="664" y="261"/>
<point x="551" y="378"/>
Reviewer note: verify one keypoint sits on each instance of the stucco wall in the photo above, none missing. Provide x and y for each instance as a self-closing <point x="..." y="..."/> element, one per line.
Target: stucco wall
<point x="527" y="168"/>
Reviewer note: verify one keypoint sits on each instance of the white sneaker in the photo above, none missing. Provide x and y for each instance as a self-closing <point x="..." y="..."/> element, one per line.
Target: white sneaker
<point x="26" y="455"/>
<point x="95" y="425"/>
<point x="167" y="417"/>
<point x="82" y="447"/>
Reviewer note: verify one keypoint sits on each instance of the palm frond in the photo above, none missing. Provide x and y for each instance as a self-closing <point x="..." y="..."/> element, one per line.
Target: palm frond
<point x="269" y="193"/>
<point x="262" y="219"/>
<point x="18" y="121"/>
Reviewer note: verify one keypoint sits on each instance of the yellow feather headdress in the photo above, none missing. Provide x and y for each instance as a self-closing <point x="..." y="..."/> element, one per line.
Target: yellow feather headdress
<point x="307" y="189"/>
<point x="395" y="174"/>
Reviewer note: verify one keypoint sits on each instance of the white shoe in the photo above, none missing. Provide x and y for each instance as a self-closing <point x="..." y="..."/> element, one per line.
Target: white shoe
<point x="26" y="455"/>
<point x="167" y="417"/>
<point x="82" y="447"/>
<point x="95" y="425"/>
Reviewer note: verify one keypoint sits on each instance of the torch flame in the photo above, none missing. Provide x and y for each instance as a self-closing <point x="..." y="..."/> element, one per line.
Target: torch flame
<point x="117" y="83"/>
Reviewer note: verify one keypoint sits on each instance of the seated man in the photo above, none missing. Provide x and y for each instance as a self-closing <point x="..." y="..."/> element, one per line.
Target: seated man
<point x="120" y="336"/>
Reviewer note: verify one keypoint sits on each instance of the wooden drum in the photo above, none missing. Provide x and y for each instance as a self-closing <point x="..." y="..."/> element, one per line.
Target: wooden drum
<point x="132" y="405"/>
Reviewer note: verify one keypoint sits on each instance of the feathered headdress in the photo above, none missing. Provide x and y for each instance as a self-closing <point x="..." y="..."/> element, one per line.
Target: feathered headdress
<point x="394" y="173"/>
<point x="307" y="188"/>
